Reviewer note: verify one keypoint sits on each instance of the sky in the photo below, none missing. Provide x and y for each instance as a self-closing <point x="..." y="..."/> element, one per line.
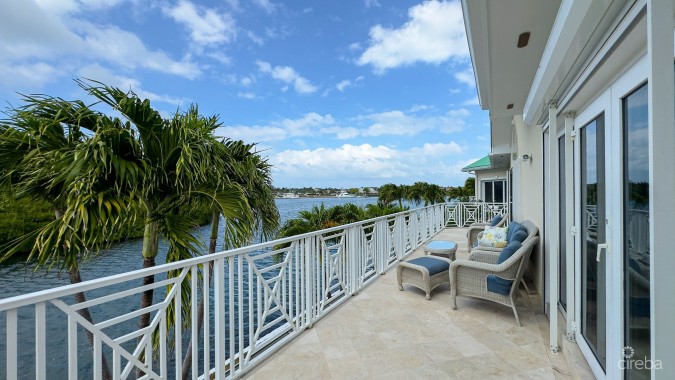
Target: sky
<point x="340" y="93"/>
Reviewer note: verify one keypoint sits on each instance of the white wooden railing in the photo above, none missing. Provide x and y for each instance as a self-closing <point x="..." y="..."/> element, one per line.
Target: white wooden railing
<point x="463" y="214"/>
<point x="257" y="298"/>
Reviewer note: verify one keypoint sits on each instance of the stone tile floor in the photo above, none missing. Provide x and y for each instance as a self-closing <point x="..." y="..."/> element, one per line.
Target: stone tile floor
<point x="384" y="333"/>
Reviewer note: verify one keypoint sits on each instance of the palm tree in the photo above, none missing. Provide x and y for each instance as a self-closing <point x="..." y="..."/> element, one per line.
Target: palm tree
<point x="416" y="193"/>
<point x="46" y="151"/>
<point x="179" y="156"/>
<point x="389" y="193"/>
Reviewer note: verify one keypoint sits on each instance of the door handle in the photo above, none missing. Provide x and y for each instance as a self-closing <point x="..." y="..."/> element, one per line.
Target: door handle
<point x="602" y="246"/>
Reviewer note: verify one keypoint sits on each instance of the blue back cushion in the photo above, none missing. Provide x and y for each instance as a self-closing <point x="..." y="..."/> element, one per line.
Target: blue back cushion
<point x="519" y="236"/>
<point x="497" y="284"/>
<point x="495" y="221"/>
<point x="434" y="266"/>
<point x="508" y="251"/>
<point x="513" y="228"/>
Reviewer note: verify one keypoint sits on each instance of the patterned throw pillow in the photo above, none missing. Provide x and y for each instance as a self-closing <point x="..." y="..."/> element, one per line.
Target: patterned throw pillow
<point x="493" y="237"/>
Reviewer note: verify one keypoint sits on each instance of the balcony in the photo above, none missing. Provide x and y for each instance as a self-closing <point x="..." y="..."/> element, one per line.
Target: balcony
<point x="319" y="305"/>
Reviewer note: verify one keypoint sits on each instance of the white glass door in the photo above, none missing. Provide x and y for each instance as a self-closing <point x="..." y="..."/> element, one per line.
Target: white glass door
<point x="594" y="282"/>
<point x="612" y="244"/>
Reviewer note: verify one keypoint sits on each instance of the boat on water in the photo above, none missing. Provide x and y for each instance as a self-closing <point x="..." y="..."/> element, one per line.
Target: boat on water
<point x="289" y="195"/>
<point x="344" y="194"/>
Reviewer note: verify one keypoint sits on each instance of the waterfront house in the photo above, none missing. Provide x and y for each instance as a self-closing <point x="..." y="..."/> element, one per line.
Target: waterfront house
<point x="580" y="95"/>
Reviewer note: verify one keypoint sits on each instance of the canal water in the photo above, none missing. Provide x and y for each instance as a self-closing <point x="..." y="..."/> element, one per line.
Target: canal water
<point x="20" y="278"/>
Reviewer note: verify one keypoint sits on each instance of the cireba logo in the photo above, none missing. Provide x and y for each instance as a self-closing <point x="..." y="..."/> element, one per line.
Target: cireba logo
<point x="637" y="363"/>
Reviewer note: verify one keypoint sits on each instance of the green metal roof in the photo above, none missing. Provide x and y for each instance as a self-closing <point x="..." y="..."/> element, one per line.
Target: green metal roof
<point x="483" y="163"/>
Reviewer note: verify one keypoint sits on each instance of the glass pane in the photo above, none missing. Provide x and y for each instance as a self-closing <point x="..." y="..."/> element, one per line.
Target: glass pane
<point x="593" y="283"/>
<point x="636" y="229"/>
<point x="499" y="191"/>
<point x="487" y="193"/>
<point x="562" y="225"/>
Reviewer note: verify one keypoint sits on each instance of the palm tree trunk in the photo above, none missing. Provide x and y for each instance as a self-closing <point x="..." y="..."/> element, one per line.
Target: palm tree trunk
<point x="75" y="278"/>
<point x="150" y="248"/>
<point x="187" y="362"/>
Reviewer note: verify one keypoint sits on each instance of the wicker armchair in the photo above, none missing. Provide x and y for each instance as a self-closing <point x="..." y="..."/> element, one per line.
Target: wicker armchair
<point x="531" y="232"/>
<point x="476" y="228"/>
<point x="468" y="278"/>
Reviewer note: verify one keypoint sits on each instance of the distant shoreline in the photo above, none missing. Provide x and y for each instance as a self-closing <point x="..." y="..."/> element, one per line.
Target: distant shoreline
<point x="327" y="196"/>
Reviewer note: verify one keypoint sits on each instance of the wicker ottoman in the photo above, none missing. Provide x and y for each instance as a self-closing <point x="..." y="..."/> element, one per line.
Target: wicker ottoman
<point x="425" y="273"/>
<point x="442" y="248"/>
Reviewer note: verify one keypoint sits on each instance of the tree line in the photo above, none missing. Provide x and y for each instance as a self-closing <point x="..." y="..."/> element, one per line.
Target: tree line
<point x="422" y="192"/>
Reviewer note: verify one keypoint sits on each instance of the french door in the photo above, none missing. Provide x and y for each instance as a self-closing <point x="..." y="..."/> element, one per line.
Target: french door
<point x="594" y="158"/>
<point x="611" y="245"/>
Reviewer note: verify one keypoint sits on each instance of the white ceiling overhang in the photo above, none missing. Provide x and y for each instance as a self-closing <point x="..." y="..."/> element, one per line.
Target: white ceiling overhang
<point x="579" y="27"/>
<point x="504" y="72"/>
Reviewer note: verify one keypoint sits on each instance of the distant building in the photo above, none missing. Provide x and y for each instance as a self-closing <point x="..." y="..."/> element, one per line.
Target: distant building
<point x="492" y="177"/>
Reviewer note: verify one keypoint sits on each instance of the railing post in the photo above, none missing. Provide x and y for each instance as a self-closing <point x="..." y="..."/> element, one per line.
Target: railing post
<point x="12" y="346"/>
<point x="219" y="317"/>
<point x="308" y="254"/>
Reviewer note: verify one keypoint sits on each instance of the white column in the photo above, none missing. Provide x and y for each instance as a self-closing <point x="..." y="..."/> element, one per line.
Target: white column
<point x="662" y="183"/>
<point x="569" y="218"/>
<point x="552" y="224"/>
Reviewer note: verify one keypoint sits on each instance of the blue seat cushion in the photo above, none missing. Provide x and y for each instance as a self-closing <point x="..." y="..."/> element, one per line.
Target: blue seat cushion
<point x="442" y="244"/>
<point x="434" y="266"/>
<point x="495" y="221"/>
<point x="513" y="228"/>
<point x="519" y="236"/>
<point x="508" y="251"/>
<point x="498" y="285"/>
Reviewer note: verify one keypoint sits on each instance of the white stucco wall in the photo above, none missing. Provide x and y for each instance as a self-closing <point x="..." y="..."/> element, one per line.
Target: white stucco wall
<point x="528" y="192"/>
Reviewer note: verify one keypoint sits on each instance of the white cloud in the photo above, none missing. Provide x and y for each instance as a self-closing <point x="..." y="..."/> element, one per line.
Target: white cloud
<point x="392" y="123"/>
<point x="254" y="134"/>
<point x="220" y="57"/>
<point x="287" y="75"/>
<point x="266" y="5"/>
<point x="256" y="39"/>
<point x="74" y="6"/>
<point x="465" y="76"/>
<point x="434" y="33"/>
<point x="207" y="26"/>
<point x="14" y="76"/>
<point x="33" y="35"/>
<point x="310" y="124"/>
<point x="420" y="107"/>
<point x="471" y="102"/>
<point x="126" y="49"/>
<point x="343" y="84"/>
<point x="366" y="162"/>
<point x="399" y="123"/>
<point x="306" y="125"/>
<point x="355" y="46"/>
<point x="246" y="95"/>
<point x="102" y="74"/>
<point x="246" y="81"/>
<point x="342" y="133"/>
